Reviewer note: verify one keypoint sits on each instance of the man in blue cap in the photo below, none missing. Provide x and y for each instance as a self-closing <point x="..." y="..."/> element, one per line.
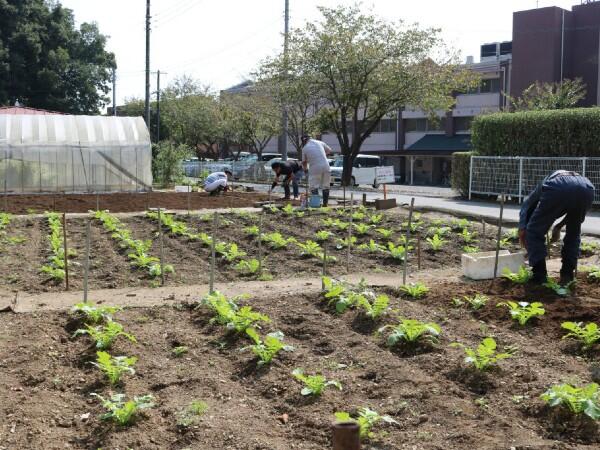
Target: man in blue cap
<point x="563" y="193"/>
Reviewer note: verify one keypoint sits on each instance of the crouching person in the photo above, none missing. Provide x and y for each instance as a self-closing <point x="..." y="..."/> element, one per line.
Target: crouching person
<point x="562" y="193"/>
<point x="216" y="182"/>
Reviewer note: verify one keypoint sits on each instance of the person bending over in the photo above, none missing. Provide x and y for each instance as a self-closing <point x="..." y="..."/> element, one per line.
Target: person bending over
<point x="216" y="182"/>
<point x="292" y="172"/>
<point x="562" y="193"/>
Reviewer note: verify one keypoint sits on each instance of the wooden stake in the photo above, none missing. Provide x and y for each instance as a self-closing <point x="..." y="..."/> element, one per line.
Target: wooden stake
<point x="211" y="288"/>
<point x="260" y="226"/>
<point x="189" y="199"/>
<point x="385" y="191"/>
<point x="418" y="252"/>
<point x="346" y="436"/>
<point x="66" y="250"/>
<point x="348" y="248"/>
<point x="483" y="226"/>
<point x="324" y="271"/>
<point x="344" y="186"/>
<point x="5" y="194"/>
<point x="410" y="213"/>
<point x="162" y="248"/>
<point x="498" y="237"/>
<point x="86" y="266"/>
<point x="97" y="201"/>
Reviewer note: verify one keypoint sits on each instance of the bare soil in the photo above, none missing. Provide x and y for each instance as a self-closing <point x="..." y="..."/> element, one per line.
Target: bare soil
<point x="126" y="202"/>
<point x="47" y="379"/>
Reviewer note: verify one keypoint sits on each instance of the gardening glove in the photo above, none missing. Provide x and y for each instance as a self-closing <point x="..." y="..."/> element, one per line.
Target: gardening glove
<point x="523" y="238"/>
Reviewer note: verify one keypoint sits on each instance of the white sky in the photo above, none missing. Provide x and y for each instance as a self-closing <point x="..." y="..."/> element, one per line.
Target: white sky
<point x="220" y="42"/>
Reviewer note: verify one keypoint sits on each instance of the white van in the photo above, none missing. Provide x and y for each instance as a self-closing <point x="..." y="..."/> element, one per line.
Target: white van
<point x="363" y="170"/>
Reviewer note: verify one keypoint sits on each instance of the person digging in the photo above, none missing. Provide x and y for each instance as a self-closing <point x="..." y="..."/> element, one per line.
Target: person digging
<point x="563" y="193"/>
<point x="292" y="172"/>
<point x="216" y="182"/>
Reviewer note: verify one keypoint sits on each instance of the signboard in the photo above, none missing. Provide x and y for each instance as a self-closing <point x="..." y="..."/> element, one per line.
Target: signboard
<point x="384" y="174"/>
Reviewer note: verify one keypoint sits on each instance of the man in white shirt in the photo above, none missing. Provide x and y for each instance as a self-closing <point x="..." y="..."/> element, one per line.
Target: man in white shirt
<point x="314" y="159"/>
<point x="216" y="182"/>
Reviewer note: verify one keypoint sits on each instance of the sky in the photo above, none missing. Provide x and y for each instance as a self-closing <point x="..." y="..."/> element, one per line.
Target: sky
<point x="221" y="42"/>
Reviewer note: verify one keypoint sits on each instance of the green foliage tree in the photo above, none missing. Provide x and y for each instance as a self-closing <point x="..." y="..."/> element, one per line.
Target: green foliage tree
<point x="46" y="62"/>
<point x="166" y="165"/>
<point x="541" y="96"/>
<point x="363" y="68"/>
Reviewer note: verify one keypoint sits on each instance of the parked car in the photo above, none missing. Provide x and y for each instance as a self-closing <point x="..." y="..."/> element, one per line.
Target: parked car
<point x="363" y="170"/>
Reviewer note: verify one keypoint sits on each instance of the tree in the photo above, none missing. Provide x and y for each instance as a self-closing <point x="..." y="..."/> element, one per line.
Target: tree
<point x="540" y="96"/>
<point x="363" y="68"/>
<point x="45" y="62"/>
<point x="166" y="165"/>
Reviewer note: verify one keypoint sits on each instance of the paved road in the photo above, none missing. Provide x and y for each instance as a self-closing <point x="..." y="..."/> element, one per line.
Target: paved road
<point x="486" y="210"/>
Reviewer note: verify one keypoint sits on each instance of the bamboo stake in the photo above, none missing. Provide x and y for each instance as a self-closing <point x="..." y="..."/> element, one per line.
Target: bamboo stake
<point x="483" y="226"/>
<point x="87" y="261"/>
<point x="211" y="288"/>
<point x="189" y="197"/>
<point x="410" y="213"/>
<point x="162" y="248"/>
<point x="66" y="250"/>
<point x="499" y="236"/>
<point x="348" y="248"/>
<point x="97" y="201"/>
<point x="260" y="228"/>
<point x="5" y="195"/>
<point x="324" y="271"/>
<point x="419" y="252"/>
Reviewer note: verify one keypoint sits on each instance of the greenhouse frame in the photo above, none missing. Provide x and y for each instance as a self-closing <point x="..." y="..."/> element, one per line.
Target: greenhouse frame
<point x="74" y="154"/>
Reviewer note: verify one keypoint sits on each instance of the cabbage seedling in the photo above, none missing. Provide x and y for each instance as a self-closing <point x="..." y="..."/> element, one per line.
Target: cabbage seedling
<point x="584" y="400"/>
<point x="376" y="219"/>
<point x="559" y="290"/>
<point x="372" y="247"/>
<point x="343" y="243"/>
<point x="268" y="348"/>
<point x="105" y="335"/>
<point x="314" y="384"/>
<point x="366" y="419"/>
<point x="121" y="411"/>
<point x="470" y="249"/>
<point x="252" y="230"/>
<point x="414" y="290"/>
<point x="376" y="308"/>
<point x="189" y="415"/>
<point x="114" y="366"/>
<point x="358" y="215"/>
<point x="397" y="252"/>
<point x="523" y="311"/>
<point x="276" y="240"/>
<point x="459" y="225"/>
<point x="468" y="236"/>
<point x="411" y="331"/>
<point x="587" y="335"/>
<point x="94" y="314"/>
<point x="310" y="248"/>
<point x="522" y="276"/>
<point x="361" y="228"/>
<point x="247" y="266"/>
<point x="512" y="234"/>
<point x="344" y="295"/>
<point x="484" y="356"/>
<point x="589" y="248"/>
<point x="385" y="233"/>
<point x="179" y="350"/>
<point x="476" y="302"/>
<point x="229" y="314"/>
<point x="436" y="242"/>
<point x="323" y="235"/>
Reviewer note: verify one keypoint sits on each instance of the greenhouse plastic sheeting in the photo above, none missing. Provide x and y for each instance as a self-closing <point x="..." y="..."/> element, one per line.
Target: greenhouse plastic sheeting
<point x="62" y="153"/>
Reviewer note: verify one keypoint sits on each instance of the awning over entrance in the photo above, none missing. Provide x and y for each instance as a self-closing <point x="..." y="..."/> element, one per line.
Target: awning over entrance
<point x="439" y="144"/>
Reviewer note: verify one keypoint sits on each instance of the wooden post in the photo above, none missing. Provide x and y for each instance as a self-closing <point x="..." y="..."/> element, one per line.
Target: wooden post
<point x="344" y="187"/>
<point x="410" y="213"/>
<point x="498" y="236"/>
<point x="483" y="226"/>
<point x="211" y="288"/>
<point x="260" y="226"/>
<point x="162" y="248"/>
<point x="384" y="191"/>
<point x="66" y="251"/>
<point x="346" y="436"/>
<point x="97" y="201"/>
<point x="324" y="271"/>
<point x="5" y="194"/>
<point x="364" y="199"/>
<point x="189" y="199"/>
<point x="87" y="260"/>
<point x="348" y="248"/>
<point x="418" y="252"/>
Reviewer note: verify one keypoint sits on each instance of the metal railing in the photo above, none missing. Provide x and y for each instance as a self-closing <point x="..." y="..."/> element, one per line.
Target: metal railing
<point x="517" y="176"/>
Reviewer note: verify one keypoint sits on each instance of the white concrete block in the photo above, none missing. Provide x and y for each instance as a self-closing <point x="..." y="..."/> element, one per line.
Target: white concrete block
<point x="480" y="266"/>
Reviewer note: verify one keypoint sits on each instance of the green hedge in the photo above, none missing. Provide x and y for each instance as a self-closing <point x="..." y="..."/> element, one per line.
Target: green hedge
<point x="564" y="132"/>
<point x="461" y="164"/>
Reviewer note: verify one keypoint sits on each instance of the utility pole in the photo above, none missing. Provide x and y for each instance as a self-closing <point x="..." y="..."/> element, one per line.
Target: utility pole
<point x="284" y="120"/>
<point x="114" y="81"/>
<point x="158" y="72"/>
<point x="147" y="104"/>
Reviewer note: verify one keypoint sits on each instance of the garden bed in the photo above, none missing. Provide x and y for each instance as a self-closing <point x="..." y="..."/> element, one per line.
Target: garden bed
<point x="439" y="404"/>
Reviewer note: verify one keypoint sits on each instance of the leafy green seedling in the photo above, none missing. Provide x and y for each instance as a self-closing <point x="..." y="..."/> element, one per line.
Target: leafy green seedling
<point x="343" y="243"/>
<point x="523" y="311"/>
<point x="314" y="384"/>
<point x="247" y="266"/>
<point x="252" y="230"/>
<point x="584" y="400"/>
<point x="587" y="335"/>
<point x="459" y="224"/>
<point x="468" y="236"/>
<point x="114" y="366"/>
<point x="505" y="243"/>
<point x="470" y="249"/>
<point x="268" y="348"/>
<point x="358" y="215"/>
<point x="385" y="233"/>
<point x="94" y="314"/>
<point x="229" y="314"/>
<point x="179" y="350"/>
<point x="376" y="308"/>
<point x="345" y="295"/>
<point x="414" y="290"/>
<point x="589" y="248"/>
<point x="484" y="356"/>
<point x="476" y="301"/>
<point x="376" y="219"/>
<point x="190" y="415"/>
<point x="105" y="335"/>
<point x="232" y="253"/>
<point x="397" y="252"/>
<point x="559" y="290"/>
<point x="522" y="276"/>
<point x="323" y="235"/>
<point x="122" y="411"/>
<point x="512" y="234"/>
<point x="372" y="247"/>
<point x="361" y="228"/>
<point x="436" y="242"/>
<point x="411" y="331"/>
<point x="276" y="241"/>
<point x="366" y="419"/>
<point x="310" y="248"/>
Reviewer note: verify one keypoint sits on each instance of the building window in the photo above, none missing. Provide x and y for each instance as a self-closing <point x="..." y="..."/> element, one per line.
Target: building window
<point x="490" y="85"/>
<point x="462" y="123"/>
<point x="386" y="126"/>
<point x="419" y="125"/>
<point x="436" y="125"/>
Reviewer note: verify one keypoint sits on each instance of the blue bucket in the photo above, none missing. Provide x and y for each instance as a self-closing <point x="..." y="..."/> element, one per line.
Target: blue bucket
<point x="314" y="201"/>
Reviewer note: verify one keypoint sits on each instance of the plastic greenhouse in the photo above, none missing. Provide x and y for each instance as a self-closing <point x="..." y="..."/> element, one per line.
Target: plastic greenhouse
<point x="63" y="153"/>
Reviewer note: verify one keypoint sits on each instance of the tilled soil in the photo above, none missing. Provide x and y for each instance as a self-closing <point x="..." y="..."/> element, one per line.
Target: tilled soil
<point x="47" y="379"/>
<point x="126" y="202"/>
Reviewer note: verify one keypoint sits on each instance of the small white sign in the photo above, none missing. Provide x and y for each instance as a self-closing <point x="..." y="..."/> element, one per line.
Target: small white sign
<point x="385" y="174"/>
<point x="183" y="188"/>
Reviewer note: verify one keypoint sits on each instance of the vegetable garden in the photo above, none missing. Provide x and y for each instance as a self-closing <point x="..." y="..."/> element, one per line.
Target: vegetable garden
<point x="439" y="363"/>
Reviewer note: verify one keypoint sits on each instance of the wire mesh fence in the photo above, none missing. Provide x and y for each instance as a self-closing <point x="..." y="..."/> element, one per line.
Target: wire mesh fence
<point x="516" y="177"/>
<point x="250" y="171"/>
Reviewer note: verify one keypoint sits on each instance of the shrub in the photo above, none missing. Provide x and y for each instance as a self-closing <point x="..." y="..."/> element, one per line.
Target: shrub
<point x="566" y="132"/>
<point x="461" y="167"/>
